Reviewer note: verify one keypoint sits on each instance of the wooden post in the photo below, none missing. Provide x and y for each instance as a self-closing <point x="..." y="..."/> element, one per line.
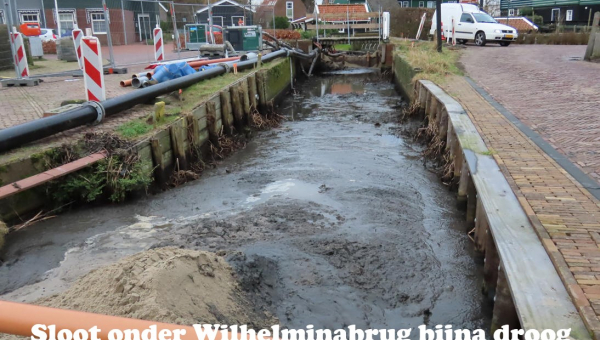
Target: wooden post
<point x="178" y="137"/>
<point x="490" y="267"/>
<point x="434" y="115"/>
<point x="211" y="120"/>
<point x="238" y="111"/>
<point x="505" y="312"/>
<point x="262" y="93"/>
<point x="481" y="227"/>
<point x="471" y="202"/>
<point x="160" y="175"/>
<point x="463" y="182"/>
<point x="226" y="115"/>
<point x="443" y="122"/>
<point x="244" y="92"/>
<point x="428" y="97"/>
<point x="252" y="92"/>
<point x="194" y="130"/>
<point x="458" y="158"/>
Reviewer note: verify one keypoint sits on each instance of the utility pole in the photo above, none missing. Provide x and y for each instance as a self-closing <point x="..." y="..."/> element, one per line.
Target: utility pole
<point x="438" y="23"/>
<point x="9" y="19"/>
<point x="57" y="19"/>
<point x="108" y="36"/>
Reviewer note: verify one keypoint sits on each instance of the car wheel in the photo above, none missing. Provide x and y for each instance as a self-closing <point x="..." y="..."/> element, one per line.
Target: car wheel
<point x="461" y="41"/>
<point x="480" y="39"/>
<point x="504" y="43"/>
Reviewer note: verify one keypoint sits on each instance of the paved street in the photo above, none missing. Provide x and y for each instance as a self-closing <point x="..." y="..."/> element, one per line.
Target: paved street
<point x="562" y="212"/>
<point x="549" y="91"/>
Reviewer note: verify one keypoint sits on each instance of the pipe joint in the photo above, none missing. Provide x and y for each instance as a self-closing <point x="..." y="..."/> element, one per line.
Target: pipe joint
<point x="97" y="106"/>
<point x="226" y="66"/>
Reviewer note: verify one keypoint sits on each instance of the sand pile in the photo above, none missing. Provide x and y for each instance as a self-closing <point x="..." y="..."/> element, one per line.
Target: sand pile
<point x="166" y="284"/>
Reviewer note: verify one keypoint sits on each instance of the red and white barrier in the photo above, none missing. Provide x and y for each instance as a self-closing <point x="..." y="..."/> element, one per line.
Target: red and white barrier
<point x="93" y="72"/>
<point x="159" y="46"/>
<point x="453" y="32"/>
<point x="77" y="35"/>
<point x="20" y="55"/>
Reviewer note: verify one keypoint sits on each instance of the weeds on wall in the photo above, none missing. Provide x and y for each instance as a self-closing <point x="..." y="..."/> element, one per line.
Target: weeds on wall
<point x="110" y="179"/>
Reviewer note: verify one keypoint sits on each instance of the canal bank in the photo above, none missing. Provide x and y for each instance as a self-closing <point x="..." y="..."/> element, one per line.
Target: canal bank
<point x="180" y="131"/>
<point x="329" y="220"/>
<point x="515" y="256"/>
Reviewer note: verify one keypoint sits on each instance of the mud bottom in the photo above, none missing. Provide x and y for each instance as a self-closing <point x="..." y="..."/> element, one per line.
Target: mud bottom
<point x="330" y="220"/>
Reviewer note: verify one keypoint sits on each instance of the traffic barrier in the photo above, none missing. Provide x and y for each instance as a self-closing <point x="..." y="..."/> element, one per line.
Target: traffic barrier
<point x="93" y="72"/>
<point x="77" y="35"/>
<point x="159" y="46"/>
<point x="20" y="56"/>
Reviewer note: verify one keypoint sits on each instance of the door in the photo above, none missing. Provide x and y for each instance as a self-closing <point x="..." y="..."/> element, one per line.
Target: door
<point x="145" y="30"/>
<point x="555" y="15"/>
<point x="465" y="28"/>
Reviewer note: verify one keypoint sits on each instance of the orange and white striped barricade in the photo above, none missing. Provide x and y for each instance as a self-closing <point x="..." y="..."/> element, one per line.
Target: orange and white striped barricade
<point x="159" y="46"/>
<point x="77" y="35"/>
<point x="93" y="72"/>
<point x="20" y="55"/>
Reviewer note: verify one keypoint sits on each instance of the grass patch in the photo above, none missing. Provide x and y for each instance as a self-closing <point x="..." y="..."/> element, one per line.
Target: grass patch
<point x="432" y="65"/>
<point x="134" y="128"/>
<point x="343" y="47"/>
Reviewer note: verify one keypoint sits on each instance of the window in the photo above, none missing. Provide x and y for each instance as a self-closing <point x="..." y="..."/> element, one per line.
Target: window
<point x="466" y="17"/>
<point x="289" y="9"/>
<point x="237" y="21"/>
<point x="217" y="20"/>
<point x="430" y="4"/>
<point x="511" y="12"/>
<point x="67" y="21"/>
<point x="555" y="14"/>
<point x="29" y="16"/>
<point x="404" y="3"/>
<point x="569" y="15"/>
<point x="98" y="23"/>
<point x="421" y="4"/>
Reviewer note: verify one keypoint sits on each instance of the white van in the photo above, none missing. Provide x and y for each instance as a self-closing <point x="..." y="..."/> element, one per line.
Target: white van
<point x="472" y="24"/>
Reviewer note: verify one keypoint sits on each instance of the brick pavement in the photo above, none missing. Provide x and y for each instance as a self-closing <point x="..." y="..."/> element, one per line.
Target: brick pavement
<point x="565" y="215"/>
<point x="556" y="96"/>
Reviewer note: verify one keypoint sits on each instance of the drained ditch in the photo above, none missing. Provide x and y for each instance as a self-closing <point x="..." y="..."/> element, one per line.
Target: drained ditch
<point x="329" y="220"/>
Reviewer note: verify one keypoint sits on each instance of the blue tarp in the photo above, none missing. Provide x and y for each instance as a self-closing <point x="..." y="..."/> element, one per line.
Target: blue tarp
<point x="172" y="71"/>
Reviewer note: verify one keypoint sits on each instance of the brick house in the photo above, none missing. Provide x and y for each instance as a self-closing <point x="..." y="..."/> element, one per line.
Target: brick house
<point x="291" y="9"/>
<point x="132" y="22"/>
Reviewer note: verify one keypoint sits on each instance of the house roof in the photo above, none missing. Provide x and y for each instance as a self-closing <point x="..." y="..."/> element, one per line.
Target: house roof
<point x="328" y="12"/>
<point x="268" y="3"/>
<point x="325" y="9"/>
<point x="226" y="3"/>
<point x="521" y="24"/>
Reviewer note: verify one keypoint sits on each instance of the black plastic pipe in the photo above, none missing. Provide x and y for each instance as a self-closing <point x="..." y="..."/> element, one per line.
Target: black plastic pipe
<point x="18" y="135"/>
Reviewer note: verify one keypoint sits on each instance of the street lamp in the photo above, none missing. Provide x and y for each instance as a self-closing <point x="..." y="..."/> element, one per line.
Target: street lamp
<point x="589" y="17"/>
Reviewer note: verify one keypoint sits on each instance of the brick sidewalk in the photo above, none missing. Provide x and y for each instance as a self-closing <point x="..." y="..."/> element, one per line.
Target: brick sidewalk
<point x="564" y="214"/>
<point x="554" y="95"/>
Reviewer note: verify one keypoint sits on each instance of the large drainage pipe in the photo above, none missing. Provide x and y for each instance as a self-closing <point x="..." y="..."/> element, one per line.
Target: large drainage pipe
<point x="91" y="112"/>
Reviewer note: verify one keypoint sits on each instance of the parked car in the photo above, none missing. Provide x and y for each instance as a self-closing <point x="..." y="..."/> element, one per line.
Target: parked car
<point x="48" y="35"/>
<point x="472" y="24"/>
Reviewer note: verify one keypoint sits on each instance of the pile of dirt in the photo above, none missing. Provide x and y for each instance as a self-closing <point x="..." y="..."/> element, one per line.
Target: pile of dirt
<point x="166" y="284"/>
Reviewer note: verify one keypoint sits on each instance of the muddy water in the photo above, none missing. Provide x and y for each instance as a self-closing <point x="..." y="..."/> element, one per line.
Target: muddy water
<point x="330" y="220"/>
